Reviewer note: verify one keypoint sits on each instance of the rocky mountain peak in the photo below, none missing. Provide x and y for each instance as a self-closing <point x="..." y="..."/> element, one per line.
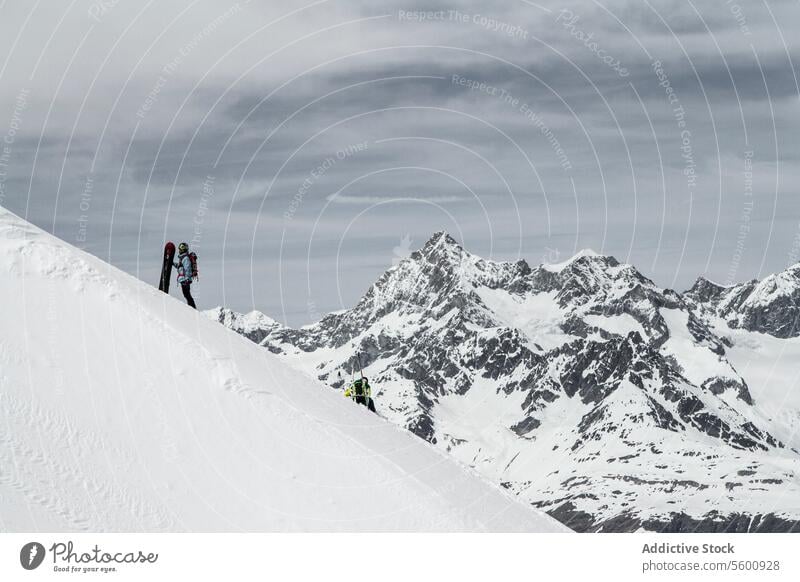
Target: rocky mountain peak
<point x="254" y="325"/>
<point x="706" y="290"/>
<point x="441" y="248"/>
<point x="584" y="256"/>
<point x="770" y="306"/>
<point x="441" y="237"/>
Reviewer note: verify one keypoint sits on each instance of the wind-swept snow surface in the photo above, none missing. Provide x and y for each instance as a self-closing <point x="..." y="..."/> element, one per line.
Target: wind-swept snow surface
<point x="122" y="409"/>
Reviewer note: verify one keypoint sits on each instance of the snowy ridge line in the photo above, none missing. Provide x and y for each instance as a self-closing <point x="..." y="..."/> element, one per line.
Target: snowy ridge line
<point x="166" y="421"/>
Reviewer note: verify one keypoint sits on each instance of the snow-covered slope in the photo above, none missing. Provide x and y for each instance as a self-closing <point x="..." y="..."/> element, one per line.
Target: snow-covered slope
<point x="582" y="387"/>
<point x="122" y="409"/>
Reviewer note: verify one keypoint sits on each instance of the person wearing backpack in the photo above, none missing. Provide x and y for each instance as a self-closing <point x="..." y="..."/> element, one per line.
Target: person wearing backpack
<point x="187" y="271"/>
<point x="361" y="392"/>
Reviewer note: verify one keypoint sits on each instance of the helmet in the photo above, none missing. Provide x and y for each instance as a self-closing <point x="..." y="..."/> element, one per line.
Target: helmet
<point x="183" y="247"/>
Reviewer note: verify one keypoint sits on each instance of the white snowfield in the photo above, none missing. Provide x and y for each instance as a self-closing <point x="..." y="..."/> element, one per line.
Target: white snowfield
<point x="121" y="409"/>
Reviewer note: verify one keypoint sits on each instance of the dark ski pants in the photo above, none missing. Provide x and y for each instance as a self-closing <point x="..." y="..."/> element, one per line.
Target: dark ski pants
<point x="187" y="293"/>
<point x="368" y="402"/>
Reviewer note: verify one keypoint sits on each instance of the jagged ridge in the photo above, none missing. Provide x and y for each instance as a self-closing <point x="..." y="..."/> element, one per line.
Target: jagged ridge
<point x="579" y="368"/>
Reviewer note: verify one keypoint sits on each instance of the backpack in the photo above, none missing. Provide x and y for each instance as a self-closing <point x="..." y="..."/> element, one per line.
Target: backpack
<point x="195" y="272"/>
<point x="361" y="387"/>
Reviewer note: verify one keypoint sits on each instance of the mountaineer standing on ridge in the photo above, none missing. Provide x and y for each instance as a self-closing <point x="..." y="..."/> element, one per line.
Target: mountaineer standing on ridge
<point x="187" y="271"/>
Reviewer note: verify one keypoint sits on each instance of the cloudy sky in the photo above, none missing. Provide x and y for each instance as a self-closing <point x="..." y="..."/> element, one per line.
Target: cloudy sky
<point x="306" y="146"/>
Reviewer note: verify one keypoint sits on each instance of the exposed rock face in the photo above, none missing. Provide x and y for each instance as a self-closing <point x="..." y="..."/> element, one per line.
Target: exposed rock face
<point x="582" y="387"/>
<point x="770" y="306"/>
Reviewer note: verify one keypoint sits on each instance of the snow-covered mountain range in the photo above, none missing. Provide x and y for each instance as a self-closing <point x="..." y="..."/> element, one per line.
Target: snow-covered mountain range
<point x="121" y="409"/>
<point x="582" y="387"/>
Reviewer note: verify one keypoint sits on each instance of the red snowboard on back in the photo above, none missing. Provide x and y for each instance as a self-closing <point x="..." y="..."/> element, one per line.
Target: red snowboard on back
<point x="166" y="267"/>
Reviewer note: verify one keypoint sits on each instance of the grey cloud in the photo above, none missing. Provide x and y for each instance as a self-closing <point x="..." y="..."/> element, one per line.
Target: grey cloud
<point x="269" y="206"/>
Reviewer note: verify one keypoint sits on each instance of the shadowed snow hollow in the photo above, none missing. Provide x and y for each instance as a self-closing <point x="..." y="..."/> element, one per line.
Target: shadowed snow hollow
<point x="122" y="409"/>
